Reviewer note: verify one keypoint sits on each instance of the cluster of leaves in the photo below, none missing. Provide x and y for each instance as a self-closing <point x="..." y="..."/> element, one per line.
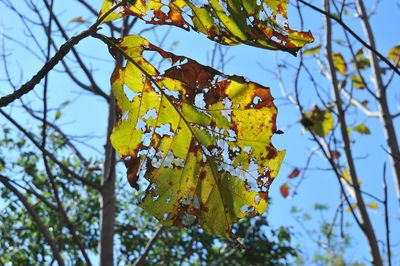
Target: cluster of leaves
<point x="175" y="246"/>
<point x="202" y="139"/>
<point x="22" y="242"/>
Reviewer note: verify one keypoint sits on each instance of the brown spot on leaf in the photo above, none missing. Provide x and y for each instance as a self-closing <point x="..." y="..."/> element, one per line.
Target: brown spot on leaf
<point x="272" y="154"/>
<point x="132" y="168"/>
<point x="263" y="195"/>
<point x="203" y="175"/>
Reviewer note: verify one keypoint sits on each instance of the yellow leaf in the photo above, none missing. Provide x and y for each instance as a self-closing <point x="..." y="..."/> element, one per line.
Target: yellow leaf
<point x="312" y="51"/>
<point x="202" y="139"/>
<point x="373" y="205"/>
<point x="394" y="54"/>
<point x="340" y="64"/>
<point x="362" y="129"/>
<point x="357" y="82"/>
<point x="353" y="206"/>
<point x="258" y="23"/>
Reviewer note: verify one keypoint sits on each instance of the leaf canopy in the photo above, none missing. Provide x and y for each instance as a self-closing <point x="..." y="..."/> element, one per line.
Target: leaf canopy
<point x="257" y="23"/>
<point x="201" y="139"/>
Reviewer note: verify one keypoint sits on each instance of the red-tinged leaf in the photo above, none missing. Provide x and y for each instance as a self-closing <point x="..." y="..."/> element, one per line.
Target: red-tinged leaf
<point x="335" y="154"/>
<point x="295" y="173"/>
<point x="285" y="190"/>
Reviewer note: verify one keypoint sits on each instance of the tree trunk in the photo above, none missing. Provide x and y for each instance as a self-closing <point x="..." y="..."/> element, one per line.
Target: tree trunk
<point x="366" y="224"/>
<point x="385" y="116"/>
<point x="107" y="200"/>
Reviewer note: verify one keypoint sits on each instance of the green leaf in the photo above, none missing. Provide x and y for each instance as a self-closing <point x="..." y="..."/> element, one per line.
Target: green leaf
<point x="339" y="63"/>
<point x="362" y="129"/>
<point x="202" y="139"/>
<point x="319" y="121"/>
<point x="253" y="22"/>
<point x="312" y="51"/>
<point x="58" y="114"/>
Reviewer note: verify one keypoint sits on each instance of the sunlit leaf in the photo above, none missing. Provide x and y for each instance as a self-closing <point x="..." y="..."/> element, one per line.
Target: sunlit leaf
<point x="58" y="115"/>
<point x="362" y="129"/>
<point x="201" y="139"/>
<point x="373" y="205"/>
<point x="284" y="189"/>
<point x="339" y="63"/>
<point x="312" y="51"/>
<point x="357" y="82"/>
<point x="253" y="22"/>
<point x="347" y="177"/>
<point x="394" y="54"/>
<point x="353" y="207"/>
<point x="318" y="121"/>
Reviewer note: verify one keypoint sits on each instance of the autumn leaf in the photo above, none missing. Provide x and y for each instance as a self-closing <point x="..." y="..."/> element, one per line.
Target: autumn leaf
<point x="373" y="205"/>
<point x="353" y="207"/>
<point x="339" y="63"/>
<point x="358" y="82"/>
<point x="362" y="129"/>
<point x="258" y="23"/>
<point x="202" y="139"/>
<point x="360" y="61"/>
<point x="335" y="154"/>
<point x="295" y="173"/>
<point x="394" y="54"/>
<point x="312" y="51"/>
<point x="319" y="121"/>
<point x="285" y="190"/>
<point x="78" y="20"/>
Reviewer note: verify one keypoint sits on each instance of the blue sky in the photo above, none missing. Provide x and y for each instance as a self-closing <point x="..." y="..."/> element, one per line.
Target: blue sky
<point x="88" y="115"/>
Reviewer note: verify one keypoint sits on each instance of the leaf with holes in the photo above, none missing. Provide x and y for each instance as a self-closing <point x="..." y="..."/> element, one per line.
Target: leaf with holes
<point x="258" y="23"/>
<point x="201" y="139"/>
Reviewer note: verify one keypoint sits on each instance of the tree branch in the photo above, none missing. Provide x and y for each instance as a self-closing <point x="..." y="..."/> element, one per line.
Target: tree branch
<point x="349" y="30"/>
